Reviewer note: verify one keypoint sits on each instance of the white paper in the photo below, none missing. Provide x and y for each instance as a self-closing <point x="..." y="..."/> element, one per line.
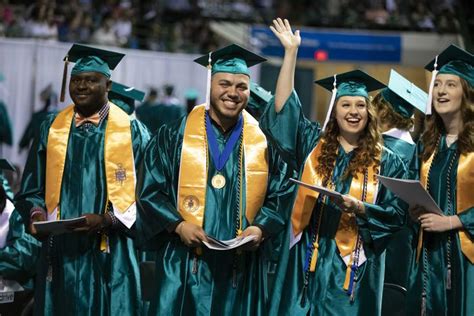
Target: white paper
<point x="216" y="244"/>
<point x="58" y="227"/>
<point x="412" y="192"/>
<point x="320" y="189"/>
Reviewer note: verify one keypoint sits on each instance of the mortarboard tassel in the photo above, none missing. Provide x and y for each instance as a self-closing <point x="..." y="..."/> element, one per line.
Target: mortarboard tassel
<point x="331" y="103"/>
<point x="208" y="88"/>
<point x="430" y="94"/>
<point x="63" y="84"/>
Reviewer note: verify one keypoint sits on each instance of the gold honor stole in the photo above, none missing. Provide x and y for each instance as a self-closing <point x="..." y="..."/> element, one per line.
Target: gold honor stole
<point x="346" y="235"/>
<point x="193" y="167"/>
<point x="464" y="199"/>
<point x="118" y="154"/>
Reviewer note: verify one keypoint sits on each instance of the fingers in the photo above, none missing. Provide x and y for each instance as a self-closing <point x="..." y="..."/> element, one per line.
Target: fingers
<point x="278" y="24"/>
<point x="287" y="25"/>
<point x="274" y="30"/>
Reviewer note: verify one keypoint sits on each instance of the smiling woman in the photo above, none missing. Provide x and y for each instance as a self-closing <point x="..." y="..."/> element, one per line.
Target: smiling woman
<point x="444" y="163"/>
<point x="333" y="263"/>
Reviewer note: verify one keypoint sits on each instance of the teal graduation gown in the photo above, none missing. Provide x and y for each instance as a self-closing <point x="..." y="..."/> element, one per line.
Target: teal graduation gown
<point x="83" y="280"/>
<point x="399" y="248"/>
<point x="21" y="252"/>
<point x="34" y="127"/>
<point x="296" y="137"/>
<point x="154" y="116"/>
<point x="6" y="135"/>
<point x="216" y="282"/>
<point x="459" y="300"/>
<point x="6" y="185"/>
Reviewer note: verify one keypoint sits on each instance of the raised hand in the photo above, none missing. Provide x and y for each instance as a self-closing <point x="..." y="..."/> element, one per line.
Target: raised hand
<point x="282" y="30"/>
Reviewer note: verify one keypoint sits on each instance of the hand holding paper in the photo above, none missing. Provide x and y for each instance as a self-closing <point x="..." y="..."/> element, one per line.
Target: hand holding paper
<point x="412" y="192"/>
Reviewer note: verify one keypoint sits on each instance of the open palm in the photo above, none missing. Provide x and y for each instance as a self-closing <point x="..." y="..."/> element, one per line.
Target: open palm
<point x="282" y="30"/>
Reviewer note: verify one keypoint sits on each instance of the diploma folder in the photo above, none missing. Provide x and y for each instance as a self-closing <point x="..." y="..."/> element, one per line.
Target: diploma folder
<point x="322" y="190"/>
<point x="412" y="192"/>
<point x="58" y="227"/>
<point x="216" y="244"/>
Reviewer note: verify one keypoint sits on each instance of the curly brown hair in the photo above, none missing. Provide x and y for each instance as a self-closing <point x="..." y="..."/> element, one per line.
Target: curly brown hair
<point x="434" y="126"/>
<point x="386" y="115"/>
<point x="365" y="155"/>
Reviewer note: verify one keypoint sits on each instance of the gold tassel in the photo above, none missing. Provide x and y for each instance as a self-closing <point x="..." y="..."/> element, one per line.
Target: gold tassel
<point x="314" y="257"/>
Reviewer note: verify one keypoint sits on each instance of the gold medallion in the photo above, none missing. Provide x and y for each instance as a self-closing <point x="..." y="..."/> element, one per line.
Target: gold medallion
<point x="191" y="203"/>
<point x="218" y="181"/>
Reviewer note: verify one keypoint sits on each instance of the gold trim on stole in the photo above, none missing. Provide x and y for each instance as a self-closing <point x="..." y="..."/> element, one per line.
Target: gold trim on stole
<point x="193" y="168"/>
<point x="118" y="155"/>
<point x="464" y="199"/>
<point x="346" y="235"/>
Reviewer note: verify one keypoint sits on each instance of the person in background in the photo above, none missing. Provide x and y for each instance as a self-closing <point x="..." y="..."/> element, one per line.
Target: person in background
<point x="191" y="97"/>
<point x="395" y="107"/>
<point x="441" y="279"/>
<point x="50" y="102"/>
<point x="82" y="164"/>
<point x="19" y="252"/>
<point x="333" y="260"/>
<point x="124" y="97"/>
<point x="259" y="98"/>
<point x="147" y="112"/>
<point x="6" y="134"/>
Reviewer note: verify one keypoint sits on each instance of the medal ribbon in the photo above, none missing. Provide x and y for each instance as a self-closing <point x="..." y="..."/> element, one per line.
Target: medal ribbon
<point x="193" y="175"/>
<point x="219" y="158"/>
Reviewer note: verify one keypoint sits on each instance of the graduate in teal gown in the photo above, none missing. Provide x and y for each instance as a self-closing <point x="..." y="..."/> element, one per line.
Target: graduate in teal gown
<point x="6" y="135"/>
<point x="395" y="106"/>
<point x="19" y="250"/>
<point x="335" y="264"/>
<point x="125" y="96"/>
<point x="83" y="163"/>
<point x="155" y="114"/>
<point x="185" y="197"/>
<point x="441" y="280"/>
<point x="50" y="103"/>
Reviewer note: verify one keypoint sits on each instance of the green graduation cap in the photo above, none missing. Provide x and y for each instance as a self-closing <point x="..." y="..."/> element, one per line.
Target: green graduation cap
<point x="454" y="61"/>
<point x="232" y="59"/>
<point x="259" y="97"/>
<point x="191" y="94"/>
<point x="125" y="96"/>
<point x="351" y="83"/>
<point x="89" y="59"/>
<point x="403" y="95"/>
<point x="6" y="165"/>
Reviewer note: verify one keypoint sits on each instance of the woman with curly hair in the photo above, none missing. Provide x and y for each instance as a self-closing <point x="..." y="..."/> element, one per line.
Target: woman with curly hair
<point x="441" y="280"/>
<point x="335" y="264"/>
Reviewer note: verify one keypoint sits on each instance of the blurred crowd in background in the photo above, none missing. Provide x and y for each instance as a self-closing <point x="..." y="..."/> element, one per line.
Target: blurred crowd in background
<point x="184" y="25"/>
